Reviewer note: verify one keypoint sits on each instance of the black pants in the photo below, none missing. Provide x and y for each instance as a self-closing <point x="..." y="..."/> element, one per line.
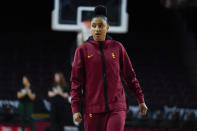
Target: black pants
<point x="61" y="115"/>
<point x="26" y="111"/>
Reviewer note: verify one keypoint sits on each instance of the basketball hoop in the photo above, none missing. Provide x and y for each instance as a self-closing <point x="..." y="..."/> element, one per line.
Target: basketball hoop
<point x="84" y="32"/>
<point x="87" y="23"/>
<point x="68" y="16"/>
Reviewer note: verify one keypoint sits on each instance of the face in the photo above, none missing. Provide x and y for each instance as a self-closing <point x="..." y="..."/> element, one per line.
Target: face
<point x="99" y="28"/>
<point x="57" y="78"/>
<point x="25" y="81"/>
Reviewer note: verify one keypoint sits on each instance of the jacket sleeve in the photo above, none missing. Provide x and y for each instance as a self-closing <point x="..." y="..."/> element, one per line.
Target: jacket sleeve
<point x="129" y="76"/>
<point x="77" y="80"/>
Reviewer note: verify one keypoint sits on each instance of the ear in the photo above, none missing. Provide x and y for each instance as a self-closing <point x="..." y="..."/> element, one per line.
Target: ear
<point x="91" y="30"/>
<point x="107" y="27"/>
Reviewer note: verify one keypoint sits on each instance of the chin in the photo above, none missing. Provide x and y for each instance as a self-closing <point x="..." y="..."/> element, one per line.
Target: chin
<point x="98" y="40"/>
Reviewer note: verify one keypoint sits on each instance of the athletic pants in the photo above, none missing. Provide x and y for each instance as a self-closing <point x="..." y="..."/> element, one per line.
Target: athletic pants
<point x="26" y="111"/>
<point x="108" y="121"/>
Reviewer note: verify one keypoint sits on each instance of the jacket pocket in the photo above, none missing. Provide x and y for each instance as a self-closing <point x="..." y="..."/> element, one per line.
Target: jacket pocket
<point x="118" y="97"/>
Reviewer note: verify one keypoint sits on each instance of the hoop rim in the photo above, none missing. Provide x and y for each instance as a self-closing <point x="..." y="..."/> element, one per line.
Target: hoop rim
<point x="87" y="23"/>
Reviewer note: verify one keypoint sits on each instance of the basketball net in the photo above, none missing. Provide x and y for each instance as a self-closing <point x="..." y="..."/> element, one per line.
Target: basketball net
<point x="84" y="33"/>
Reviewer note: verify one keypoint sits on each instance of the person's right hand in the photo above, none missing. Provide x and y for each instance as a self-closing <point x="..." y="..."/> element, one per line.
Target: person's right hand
<point x="51" y="94"/>
<point x="143" y="108"/>
<point x="77" y="117"/>
<point x="56" y="92"/>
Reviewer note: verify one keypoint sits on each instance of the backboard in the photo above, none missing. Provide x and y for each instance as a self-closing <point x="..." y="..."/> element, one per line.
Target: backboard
<point x="68" y="14"/>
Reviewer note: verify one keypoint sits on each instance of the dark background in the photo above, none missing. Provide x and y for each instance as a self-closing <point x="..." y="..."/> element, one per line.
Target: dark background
<point x="161" y="44"/>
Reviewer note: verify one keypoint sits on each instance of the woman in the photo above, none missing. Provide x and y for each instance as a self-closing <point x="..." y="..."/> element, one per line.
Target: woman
<point x="99" y="66"/>
<point x="60" y="107"/>
<point x="26" y="96"/>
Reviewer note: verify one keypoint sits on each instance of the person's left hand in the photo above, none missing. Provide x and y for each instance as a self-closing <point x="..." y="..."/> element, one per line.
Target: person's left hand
<point x="143" y="108"/>
<point x="28" y="91"/>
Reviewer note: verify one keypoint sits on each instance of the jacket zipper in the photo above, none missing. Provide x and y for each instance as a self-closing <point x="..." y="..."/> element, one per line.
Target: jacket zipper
<point x="104" y="76"/>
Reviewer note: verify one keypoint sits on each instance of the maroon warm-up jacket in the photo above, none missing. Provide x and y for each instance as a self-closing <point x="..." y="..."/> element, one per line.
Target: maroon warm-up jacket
<point x="97" y="74"/>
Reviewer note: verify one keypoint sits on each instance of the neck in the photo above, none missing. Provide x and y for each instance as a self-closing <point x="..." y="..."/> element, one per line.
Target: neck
<point x="27" y="86"/>
<point x="99" y="40"/>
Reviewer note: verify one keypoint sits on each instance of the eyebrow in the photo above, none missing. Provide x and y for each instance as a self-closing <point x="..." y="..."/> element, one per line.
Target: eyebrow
<point x="98" y="23"/>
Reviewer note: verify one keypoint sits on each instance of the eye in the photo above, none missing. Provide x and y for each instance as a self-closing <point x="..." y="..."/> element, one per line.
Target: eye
<point x="93" y="25"/>
<point x="100" y="25"/>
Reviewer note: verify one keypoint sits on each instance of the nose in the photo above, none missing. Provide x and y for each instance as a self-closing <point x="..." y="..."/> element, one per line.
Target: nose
<point x="97" y="28"/>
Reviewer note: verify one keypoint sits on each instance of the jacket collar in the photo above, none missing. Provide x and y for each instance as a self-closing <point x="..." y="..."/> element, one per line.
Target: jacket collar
<point x="92" y="39"/>
<point x="97" y="43"/>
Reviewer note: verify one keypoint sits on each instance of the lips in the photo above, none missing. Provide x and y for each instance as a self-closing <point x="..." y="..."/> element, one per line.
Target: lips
<point x="97" y="34"/>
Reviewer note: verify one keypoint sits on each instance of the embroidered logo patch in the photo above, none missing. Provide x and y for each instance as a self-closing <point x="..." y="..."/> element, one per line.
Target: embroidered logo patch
<point x="113" y="55"/>
<point x="89" y="56"/>
<point x="90" y="115"/>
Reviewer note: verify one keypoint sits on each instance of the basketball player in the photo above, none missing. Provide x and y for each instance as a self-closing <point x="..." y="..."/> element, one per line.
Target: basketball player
<point x="98" y="68"/>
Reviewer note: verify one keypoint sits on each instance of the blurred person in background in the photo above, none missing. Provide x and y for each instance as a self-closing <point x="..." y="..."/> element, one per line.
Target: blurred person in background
<point x="98" y="67"/>
<point x="158" y="115"/>
<point x="60" y="107"/>
<point x="26" y="96"/>
<point x="190" y="122"/>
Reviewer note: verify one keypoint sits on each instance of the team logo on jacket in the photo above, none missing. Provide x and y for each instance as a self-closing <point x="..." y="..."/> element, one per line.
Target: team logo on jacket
<point x="90" y="115"/>
<point x="89" y="56"/>
<point x="113" y="55"/>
